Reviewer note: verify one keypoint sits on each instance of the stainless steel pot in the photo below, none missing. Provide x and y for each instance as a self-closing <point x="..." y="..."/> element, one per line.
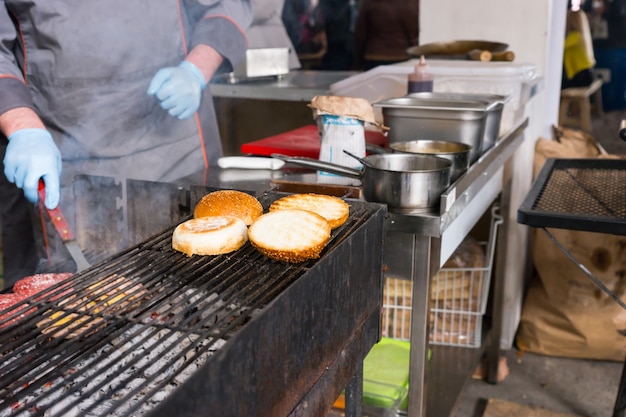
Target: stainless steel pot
<point x="457" y="153"/>
<point x="400" y="180"/>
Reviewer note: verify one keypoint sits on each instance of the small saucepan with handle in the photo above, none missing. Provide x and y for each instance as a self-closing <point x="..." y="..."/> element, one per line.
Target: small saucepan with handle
<point x="402" y="181"/>
<point x="458" y="153"/>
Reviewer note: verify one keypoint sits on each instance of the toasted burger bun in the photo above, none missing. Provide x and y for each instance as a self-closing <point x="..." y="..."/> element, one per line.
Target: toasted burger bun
<point x="290" y="235"/>
<point x="229" y="203"/>
<point x="213" y="235"/>
<point x="333" y="209"/>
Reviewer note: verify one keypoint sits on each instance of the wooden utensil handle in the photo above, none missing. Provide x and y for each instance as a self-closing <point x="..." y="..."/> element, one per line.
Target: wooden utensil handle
<point x="503" y="56"/>
<point x="56" y="216"/>
<point x="479" y="55"/>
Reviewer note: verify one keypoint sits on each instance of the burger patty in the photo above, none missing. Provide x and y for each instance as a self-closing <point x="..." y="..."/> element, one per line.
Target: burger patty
<point x="34" y="284"/>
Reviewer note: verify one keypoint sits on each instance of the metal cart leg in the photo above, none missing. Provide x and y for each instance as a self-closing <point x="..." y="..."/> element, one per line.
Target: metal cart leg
<point x="493" y="354"/>
<point x="620" y="401"/>
<point x="423" y="247"/>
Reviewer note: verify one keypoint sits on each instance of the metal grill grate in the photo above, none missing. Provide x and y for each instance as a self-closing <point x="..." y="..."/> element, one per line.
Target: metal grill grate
<point x="585" y="192"/>
<point x="580" y="194"/>
<point x="147" y="319"/>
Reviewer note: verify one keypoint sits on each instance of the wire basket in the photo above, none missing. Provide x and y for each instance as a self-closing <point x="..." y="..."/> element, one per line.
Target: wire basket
<point x="458" y="300"/>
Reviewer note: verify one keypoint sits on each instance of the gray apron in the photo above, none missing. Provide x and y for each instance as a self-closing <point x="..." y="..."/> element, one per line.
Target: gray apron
<point x="89" y="67"/>
<point x="89" y="63"/>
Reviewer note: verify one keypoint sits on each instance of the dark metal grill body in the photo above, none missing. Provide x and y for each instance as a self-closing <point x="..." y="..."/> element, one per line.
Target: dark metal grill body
<point x="230" y="335"/>
<point x="579" y="194"/>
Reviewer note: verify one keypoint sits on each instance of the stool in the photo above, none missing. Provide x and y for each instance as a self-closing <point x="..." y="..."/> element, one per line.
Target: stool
<point x="576" y="106"/>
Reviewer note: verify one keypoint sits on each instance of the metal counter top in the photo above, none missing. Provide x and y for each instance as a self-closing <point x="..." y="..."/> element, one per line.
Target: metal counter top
<point x="294" y="86"/>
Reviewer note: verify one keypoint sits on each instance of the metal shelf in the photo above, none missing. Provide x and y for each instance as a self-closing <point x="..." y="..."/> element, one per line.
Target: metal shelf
<point x="432" y="238"/>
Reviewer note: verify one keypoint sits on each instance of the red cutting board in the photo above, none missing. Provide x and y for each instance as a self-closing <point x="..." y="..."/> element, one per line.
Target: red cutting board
<point x="303" y="141"/>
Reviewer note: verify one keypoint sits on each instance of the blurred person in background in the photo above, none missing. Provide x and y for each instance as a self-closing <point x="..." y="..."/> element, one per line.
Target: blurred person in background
<point x="616" y="20"/>
<point x="339" y="25"/>
<point x="578" y="56"/>
<point x="304" y="23"/>
<point x="108" y="88"/>
<point x="385" y="29"/>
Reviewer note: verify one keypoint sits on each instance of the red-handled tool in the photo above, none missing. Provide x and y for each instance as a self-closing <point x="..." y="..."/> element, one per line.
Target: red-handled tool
<point x="61" y="226"/>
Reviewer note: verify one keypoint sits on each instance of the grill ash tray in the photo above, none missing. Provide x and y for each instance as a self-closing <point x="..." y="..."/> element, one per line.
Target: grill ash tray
<point x="578" y="194"/>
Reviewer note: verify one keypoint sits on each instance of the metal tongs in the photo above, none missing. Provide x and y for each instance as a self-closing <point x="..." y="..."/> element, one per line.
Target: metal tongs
<point x="63" y="228"/>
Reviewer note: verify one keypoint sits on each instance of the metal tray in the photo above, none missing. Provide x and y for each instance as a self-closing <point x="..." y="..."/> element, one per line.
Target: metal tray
<point x="578" y="194"/>
<point x="411" y="118"/>
<point x="494" y="111"/>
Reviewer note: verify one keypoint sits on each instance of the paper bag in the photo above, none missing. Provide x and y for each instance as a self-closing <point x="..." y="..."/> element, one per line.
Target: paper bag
<point x="565" y="314"/>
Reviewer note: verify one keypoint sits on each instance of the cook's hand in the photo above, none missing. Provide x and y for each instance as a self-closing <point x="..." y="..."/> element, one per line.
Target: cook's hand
<point x="31" y="155"/>
<point x="178" y="89"/>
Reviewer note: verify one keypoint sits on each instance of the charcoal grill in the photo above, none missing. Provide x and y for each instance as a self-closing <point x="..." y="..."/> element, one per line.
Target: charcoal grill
<point x="586" y="195"/>
<point x="229" y="335"/>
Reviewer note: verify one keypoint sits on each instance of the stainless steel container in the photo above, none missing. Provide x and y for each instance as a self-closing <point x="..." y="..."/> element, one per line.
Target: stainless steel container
<point x="412" y="118"/>
<point x="494" y="112"/>
<point x="403" y="181"/>
<point x="264" y="62"/>
<point x="455" y="152"/>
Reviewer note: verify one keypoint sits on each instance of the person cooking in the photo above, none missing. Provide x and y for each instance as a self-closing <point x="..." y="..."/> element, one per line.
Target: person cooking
<point x="108" y="88"/>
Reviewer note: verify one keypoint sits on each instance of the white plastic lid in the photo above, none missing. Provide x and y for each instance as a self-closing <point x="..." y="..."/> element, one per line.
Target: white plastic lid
<point x="462" y="68"/>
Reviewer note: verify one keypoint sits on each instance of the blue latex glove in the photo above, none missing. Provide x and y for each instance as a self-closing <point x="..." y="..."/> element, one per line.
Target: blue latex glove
<point x="31" y="155"/>
<point x="178" y="89"/>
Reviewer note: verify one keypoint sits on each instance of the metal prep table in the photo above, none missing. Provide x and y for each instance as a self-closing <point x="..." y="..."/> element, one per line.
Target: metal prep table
<point x="267" y="106"/>
<point x="435" y="237"/>
<point x="585" y="195"/>
<point x="435" y="387"/>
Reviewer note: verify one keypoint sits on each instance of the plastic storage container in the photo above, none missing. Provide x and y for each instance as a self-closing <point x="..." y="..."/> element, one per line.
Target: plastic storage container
<point x="385" y="379"/>
<point x="450" y="76"/>
<point x="500" y="78"/>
